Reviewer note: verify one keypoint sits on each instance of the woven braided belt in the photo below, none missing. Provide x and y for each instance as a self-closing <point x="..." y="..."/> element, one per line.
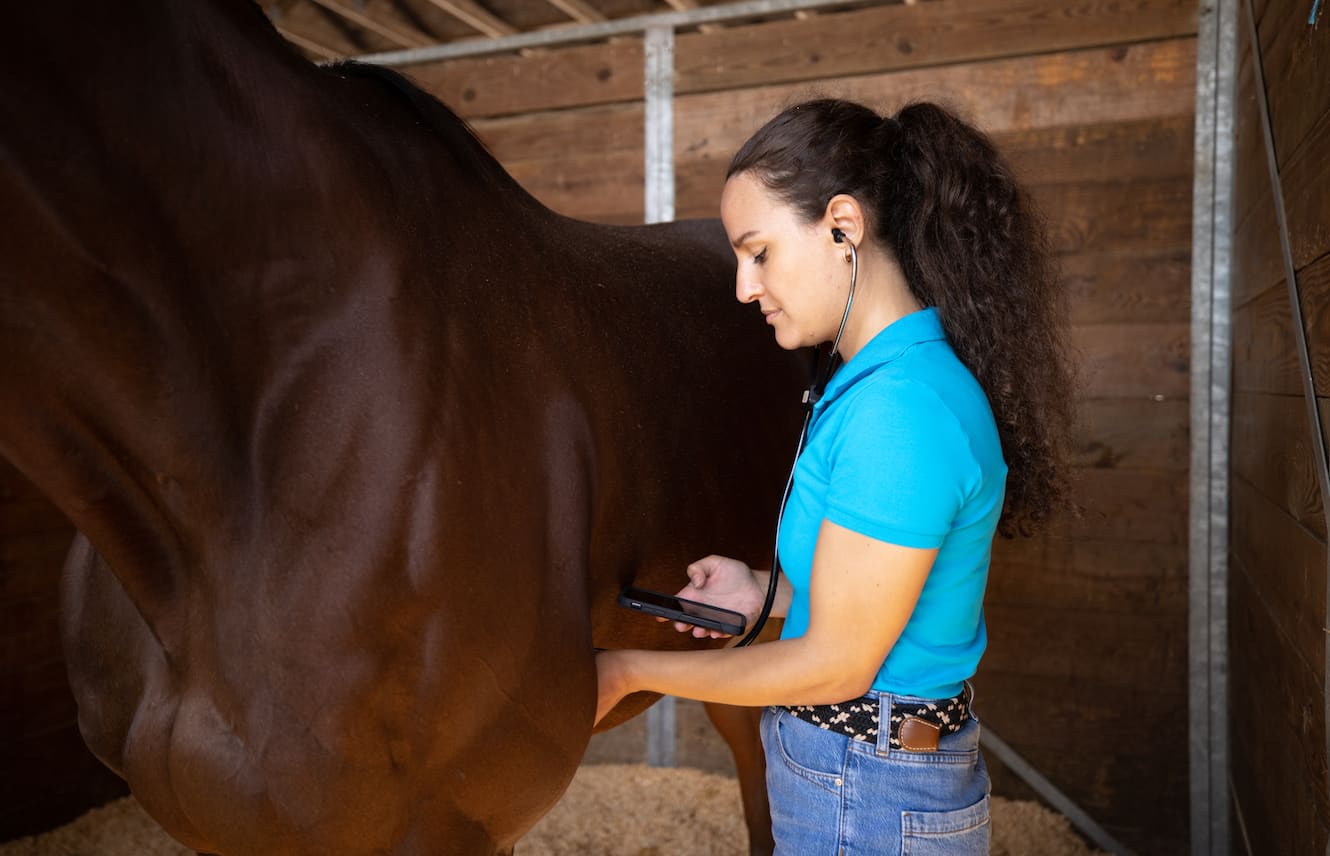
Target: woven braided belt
<point x="915" y="726"/>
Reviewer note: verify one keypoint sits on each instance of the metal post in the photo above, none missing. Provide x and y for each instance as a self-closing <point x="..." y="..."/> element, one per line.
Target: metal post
<point x="659" y="125"/>
<point x="660" y="209"/>
<point x="1211" y="334"/>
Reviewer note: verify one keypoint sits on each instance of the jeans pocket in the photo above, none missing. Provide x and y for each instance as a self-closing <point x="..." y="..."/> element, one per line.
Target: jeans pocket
<point x="814" y="753"/>
<point x="962" y="832"/>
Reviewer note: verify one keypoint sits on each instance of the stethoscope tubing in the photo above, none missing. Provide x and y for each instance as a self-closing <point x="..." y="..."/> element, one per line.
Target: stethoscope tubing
<point x="811" y="397"/>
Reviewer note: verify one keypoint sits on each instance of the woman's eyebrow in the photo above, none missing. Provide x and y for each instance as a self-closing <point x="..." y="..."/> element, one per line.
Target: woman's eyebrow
<point x="738" y="242"/>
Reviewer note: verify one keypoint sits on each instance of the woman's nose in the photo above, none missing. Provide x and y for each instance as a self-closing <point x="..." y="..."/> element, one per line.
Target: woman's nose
<point x="746" y="288"/>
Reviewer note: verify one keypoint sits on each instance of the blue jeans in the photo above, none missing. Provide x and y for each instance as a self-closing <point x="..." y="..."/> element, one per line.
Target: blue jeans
<point x="834" y="796"/>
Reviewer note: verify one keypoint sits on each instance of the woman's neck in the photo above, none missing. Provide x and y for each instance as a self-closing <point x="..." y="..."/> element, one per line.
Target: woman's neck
<point x="881" y="298"/>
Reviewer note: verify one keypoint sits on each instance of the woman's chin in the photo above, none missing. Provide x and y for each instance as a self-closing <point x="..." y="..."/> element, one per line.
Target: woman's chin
<point x="791" y="341"/>
<point x="787" y="341"/>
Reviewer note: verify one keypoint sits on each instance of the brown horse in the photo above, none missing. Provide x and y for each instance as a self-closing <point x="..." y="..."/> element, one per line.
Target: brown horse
<point x="361" y="440"/>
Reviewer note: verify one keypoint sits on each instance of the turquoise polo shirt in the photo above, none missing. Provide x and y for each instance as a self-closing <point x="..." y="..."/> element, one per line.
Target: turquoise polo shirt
<point x="903" y="448"/>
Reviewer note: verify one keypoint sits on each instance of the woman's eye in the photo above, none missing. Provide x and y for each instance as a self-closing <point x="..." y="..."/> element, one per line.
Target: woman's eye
<point x="761" y="257"/>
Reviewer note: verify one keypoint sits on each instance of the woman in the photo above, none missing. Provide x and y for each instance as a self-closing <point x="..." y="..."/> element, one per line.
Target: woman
<point x="905" y="241"/>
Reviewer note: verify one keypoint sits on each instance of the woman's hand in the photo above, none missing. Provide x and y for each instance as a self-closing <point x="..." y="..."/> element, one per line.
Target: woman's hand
<point x="726" y="583"/>
<point x="612" y="682"/>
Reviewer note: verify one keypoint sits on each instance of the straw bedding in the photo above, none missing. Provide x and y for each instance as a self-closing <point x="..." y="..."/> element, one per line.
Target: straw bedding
<point x="609" y="810"/>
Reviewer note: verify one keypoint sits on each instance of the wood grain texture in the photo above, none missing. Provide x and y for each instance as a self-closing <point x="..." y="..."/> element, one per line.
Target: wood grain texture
<point x="1090" y="574"/>
<point x="1086" y="87"/>
<point x="1291" y="582"/>
<point x="1296" y="60"/>
<point x="1117" y="651"/>
<point x="1146" y="215"/>
<point x="1133" y="792"/>
<point x="1265" y="356"/>
<point x="1126" y="505"/>
<point x="1133" y="434"/>
<point x="1258" y="261"/>
<point x="1081" y="88"/>
<point x="914" y="35"/>
<point x="1127" y="286"/>
<point x="574" y="76"/>
<point x="1302" y="146"/>
<point x="1153" y="148"/>
<point x="1272" y="450"/>
<point x="1141" y="361"/>
<point x="1307" y="203"/>
<point x="1264" y="345"/>
<point x="887" y="38"/>
<point x="1276" y="724"/>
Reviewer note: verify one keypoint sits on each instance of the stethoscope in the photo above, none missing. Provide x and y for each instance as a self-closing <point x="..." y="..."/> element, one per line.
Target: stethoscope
<point x="810" y="398"/>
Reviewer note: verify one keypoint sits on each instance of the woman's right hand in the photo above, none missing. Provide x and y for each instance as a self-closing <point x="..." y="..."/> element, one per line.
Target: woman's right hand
<point x="726" y="583"/>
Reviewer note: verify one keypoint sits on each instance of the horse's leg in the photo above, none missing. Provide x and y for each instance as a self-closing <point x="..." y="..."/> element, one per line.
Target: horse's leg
<point x="741" y="728"/>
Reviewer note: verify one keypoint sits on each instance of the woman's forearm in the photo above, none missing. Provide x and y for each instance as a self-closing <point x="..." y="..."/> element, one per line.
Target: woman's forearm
<point x="791" y="671"/>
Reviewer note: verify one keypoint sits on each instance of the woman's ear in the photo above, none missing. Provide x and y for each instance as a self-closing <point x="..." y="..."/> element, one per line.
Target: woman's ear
<point x="845" y="214"/>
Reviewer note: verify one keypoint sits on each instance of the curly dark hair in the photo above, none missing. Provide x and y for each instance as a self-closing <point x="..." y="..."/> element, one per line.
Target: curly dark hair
<point x="970" y="242"/>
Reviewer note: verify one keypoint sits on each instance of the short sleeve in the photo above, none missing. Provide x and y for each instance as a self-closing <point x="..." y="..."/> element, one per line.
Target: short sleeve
<point x="901" y="466"/>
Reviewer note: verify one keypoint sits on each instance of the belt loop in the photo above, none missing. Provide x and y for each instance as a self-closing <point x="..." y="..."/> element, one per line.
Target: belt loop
<point x="884" y="724"/>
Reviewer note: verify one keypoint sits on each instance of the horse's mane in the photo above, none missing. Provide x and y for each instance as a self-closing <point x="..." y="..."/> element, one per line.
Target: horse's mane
<point x="459" y="135"/>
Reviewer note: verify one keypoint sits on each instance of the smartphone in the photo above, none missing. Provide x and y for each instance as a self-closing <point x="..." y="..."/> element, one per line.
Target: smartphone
<point x="687" y="611"/>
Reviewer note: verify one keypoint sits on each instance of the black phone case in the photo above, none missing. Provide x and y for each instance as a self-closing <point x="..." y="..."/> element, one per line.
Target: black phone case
<point x="628" y="602"/>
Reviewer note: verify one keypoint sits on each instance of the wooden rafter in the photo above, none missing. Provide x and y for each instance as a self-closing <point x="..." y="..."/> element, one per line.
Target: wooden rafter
<point x="689" y="5"/>
<point x="579" y="10"/>
<point x="320" y="50"/>
<point x="471" y="14"/>
<point x="397" y="35"/>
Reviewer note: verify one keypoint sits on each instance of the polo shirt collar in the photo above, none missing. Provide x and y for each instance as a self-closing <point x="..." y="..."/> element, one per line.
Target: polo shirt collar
<point x="895" y="339"/>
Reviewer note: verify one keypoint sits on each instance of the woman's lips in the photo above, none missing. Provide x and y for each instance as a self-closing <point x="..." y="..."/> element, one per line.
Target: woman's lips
<point x="770" y="316"/>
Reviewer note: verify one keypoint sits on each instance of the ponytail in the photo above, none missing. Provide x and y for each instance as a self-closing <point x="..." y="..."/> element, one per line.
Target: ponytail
<point x="969" y="243"/>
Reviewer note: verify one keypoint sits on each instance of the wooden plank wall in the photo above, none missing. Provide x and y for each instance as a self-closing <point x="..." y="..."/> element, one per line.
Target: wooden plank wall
<point x="1278" y="560"/>
<point x="1086" y="673"/>
<point x="47" y="776"/>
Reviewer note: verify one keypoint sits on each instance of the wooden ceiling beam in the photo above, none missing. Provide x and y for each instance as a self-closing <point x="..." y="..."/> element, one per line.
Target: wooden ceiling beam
<point x="579" y="10"/>
<point x="322" y="51"/>
<point x="471" y="14"/>
<point x="688" y="6"/>
<point x="397" y="35"/>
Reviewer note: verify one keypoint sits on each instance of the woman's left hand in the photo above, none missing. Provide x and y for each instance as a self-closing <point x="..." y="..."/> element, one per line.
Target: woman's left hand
<point x="612" y="682"/>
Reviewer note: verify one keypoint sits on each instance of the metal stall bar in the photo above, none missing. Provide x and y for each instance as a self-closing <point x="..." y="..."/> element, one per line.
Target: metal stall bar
<point x="659" y="84"/>
<point x="1211" y="360"/>
<point x="1078" y="816"/>
<point x="601" y="30"/>
<point x="1295" y="306"/>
